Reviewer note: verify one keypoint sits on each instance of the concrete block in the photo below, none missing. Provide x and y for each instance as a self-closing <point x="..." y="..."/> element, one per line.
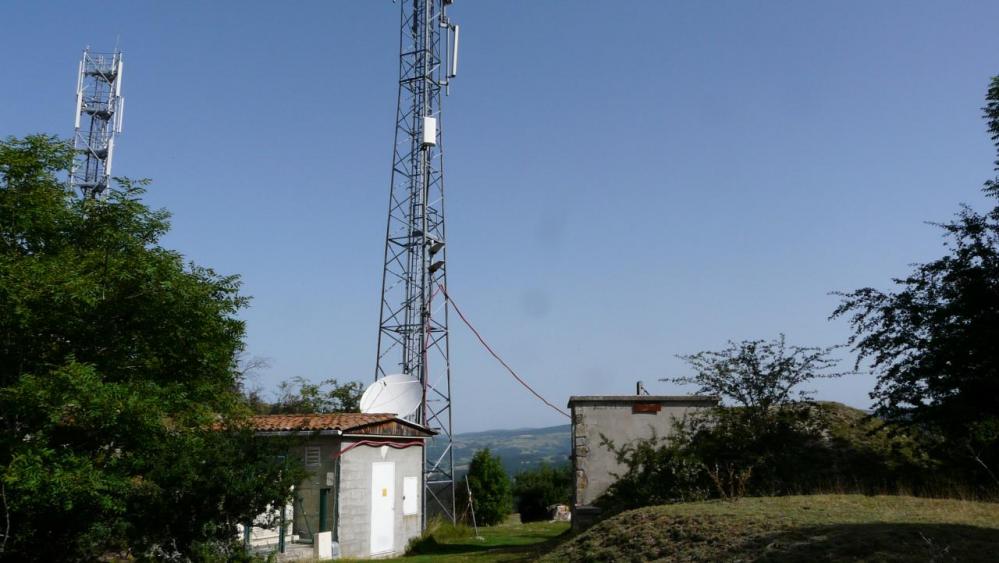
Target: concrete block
<point x="322" y="545"/>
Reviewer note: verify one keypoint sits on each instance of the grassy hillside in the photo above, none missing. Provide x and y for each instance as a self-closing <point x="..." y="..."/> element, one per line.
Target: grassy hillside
<point x="508" y="542"/>
<point x="805" y="528"/>
<point x="519" y="449"/>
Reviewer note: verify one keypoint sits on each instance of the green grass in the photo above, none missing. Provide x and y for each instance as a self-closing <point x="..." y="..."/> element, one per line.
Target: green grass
<point x="811" y="529"/>
<point x="804" y="528"/>
<point x="511" y="541"/>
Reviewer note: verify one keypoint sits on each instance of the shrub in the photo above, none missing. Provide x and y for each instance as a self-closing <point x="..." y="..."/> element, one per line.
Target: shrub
<point x="800" y="449"/>
<point x="659" y="471"/>
<point x="490" y="486"/>
<point x="537" y="489"/>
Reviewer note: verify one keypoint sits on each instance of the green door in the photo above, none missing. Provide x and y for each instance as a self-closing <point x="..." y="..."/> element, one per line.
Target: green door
<point x="324" y="497"/>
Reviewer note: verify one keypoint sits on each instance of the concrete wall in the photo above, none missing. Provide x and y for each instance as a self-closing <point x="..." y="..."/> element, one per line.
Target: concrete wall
<point x="594" y="418"/>
<point x="307" y="510"/>
<point x="355" y="496"/>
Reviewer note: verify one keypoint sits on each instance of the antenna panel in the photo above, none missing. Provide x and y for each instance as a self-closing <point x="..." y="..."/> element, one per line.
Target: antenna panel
<point x="454" y="53"/>
<point x="117" y="80"/>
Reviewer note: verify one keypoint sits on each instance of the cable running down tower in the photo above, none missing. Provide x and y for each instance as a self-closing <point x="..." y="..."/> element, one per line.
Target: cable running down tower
<point x="99" y="110"/>
<point x="413" y="329"/>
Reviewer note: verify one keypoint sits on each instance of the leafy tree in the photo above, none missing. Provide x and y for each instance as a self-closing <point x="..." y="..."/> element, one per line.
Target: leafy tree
<point x="302" y="396"/>
<point x="297" y="395"/>
<point x="933" y="341"/>
<point x="758" y="375"/>
<point x="537" y="489"/>
<point x="490" y="486"/>
<point x="120" y="419"/>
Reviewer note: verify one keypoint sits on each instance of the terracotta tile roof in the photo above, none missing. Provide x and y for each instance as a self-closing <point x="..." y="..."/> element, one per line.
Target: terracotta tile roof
<point x="343" y="421"/>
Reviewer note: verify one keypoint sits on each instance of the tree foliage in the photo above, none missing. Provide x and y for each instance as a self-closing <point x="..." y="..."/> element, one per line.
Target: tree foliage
<point x="490" y="486"/>
<point x="537" y="489"/>
<point x="933" y="340"/>
<point x="758" y="375"/>
<point x="119" y="408"/>
<point x="991" y="113"/>
<point x="771" y="439"/>
<point x="300" y="395"/>
<point x="800" y="449"/>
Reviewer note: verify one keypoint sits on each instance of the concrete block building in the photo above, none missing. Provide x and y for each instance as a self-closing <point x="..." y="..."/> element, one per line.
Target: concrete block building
<point x="621" y="419"/>
<point x="365" y="482"/>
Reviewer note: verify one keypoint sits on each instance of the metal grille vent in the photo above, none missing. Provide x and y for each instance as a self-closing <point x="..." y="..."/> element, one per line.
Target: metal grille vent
<point x="312" y="457"/>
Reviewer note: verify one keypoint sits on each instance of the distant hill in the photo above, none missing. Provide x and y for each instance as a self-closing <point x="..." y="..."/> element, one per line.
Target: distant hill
<point x="520" y="449"/>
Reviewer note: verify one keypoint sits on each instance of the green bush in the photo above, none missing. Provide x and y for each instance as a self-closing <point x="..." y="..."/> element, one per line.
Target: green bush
<point x="490" y="486"/>
<point x="799" y="449"/>
<point x="537" y="489"/>
<point x="813" y="447"/>
<point x="658" y="472"/>
<point x="773" y="440"/>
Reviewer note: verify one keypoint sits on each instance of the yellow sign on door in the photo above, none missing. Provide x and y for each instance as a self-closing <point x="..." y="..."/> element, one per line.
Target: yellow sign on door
<point x="384" y="492"/>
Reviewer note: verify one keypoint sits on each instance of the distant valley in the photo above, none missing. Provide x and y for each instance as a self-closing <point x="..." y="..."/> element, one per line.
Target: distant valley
<point x="520" y="449"/>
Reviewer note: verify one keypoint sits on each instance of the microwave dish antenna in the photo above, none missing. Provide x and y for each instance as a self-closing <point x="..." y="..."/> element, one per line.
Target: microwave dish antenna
<point x="398" y="394"/>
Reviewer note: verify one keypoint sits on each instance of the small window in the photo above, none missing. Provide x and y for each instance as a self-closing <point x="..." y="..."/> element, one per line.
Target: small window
<point x="312" y="456"/>
<point x="410" y="496"/>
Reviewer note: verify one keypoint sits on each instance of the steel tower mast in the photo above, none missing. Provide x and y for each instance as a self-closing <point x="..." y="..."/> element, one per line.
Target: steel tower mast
<point x="413" y="329"/>
<point x="99" y="110"/>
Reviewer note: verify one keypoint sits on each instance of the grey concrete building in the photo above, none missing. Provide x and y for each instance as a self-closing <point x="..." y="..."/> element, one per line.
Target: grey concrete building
<point x="621" y="419"/>
<point x="365" y="482"/>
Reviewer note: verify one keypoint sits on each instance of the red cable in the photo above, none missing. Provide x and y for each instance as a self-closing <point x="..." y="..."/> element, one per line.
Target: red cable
<point x="495" y="355"/>
<point x="377" y="444"/>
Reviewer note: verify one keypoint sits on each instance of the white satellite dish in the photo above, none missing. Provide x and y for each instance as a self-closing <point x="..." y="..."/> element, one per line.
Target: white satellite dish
<point x="399" y="394"/>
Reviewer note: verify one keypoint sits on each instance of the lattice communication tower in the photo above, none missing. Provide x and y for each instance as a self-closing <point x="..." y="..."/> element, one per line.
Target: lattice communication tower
<point x="413" y="327"/>
<point x="99" y="110"/>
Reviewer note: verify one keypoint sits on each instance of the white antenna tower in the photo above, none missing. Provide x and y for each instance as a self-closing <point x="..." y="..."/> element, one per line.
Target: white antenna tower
<point x="99" y="110"/>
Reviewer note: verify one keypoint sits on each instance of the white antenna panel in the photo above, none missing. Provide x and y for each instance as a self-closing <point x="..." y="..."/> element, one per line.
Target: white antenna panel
<point x="454" y="55"/>
<point x="429" y="131"/>
<point x="117" y="80"/>
<point x="79" y="106"/>
<point x="79" y="79"/>
<point x="107" y="162"/>
<point x="120" y="114"/>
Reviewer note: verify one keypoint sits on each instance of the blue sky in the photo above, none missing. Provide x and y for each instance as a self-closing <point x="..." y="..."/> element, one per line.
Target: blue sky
<point x="626" y="181"/>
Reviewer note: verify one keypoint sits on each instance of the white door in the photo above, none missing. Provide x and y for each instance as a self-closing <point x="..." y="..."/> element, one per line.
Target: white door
<point x="382" y="507"/>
